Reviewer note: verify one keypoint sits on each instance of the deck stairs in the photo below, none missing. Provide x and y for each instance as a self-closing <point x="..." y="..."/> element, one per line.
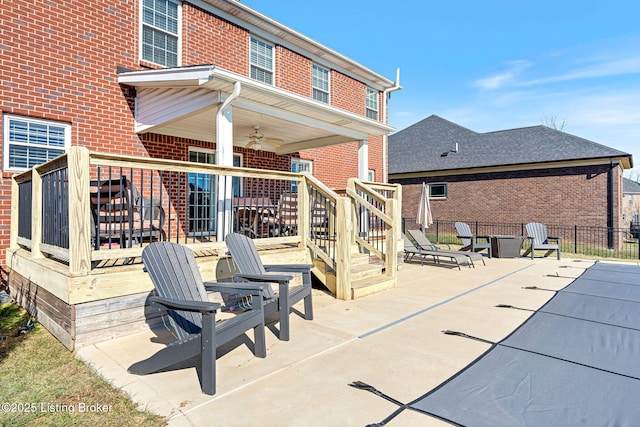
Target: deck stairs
<point x="366" y="274"/>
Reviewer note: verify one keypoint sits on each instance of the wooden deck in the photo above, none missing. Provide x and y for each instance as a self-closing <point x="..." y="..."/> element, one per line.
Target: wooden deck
<point x="86" y="286"/>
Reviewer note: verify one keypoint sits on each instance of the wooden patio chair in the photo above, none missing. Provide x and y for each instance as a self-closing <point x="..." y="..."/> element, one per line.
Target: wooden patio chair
<point x="539" y="239"/>
<point x="120" y="215"/>
<point x="411" y="250"/>
<point x="424" y="243"/>
<point x="469" y="241"/>
<point x="287" y="213"/>
<point x="250" y="268"/>
<point x="180" y="290"/>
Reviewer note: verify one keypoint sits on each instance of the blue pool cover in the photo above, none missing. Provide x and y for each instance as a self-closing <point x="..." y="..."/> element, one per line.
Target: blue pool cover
<point x="576" y="361"/>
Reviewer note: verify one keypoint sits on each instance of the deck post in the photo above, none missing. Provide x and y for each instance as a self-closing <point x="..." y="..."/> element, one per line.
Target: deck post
<point x="391" y="238"/>
<point x="304" y="218"/>
<point x="36" y="213"/>
<point x="15" y="200"/>
<point x="344" y="231"/>
<point x="79" y="211"/>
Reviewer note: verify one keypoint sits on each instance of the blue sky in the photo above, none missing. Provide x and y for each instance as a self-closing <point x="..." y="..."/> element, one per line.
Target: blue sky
<point x="493" y="65"/>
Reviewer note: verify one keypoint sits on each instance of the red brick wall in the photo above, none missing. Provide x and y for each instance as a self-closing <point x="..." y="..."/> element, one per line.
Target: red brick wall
<point x="59" y="62"/>
<point x="293" y="72"/>
<point x="565" y="196"/>
<point x="208" y="39"/>
<point x="348" y="94"/>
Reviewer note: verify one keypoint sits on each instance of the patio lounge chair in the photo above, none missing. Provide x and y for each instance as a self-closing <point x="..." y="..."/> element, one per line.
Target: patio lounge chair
<point x="539" y="239"/>
<point x="424" y="243"/>
<point x="180" y="290"/>
<point x="469" y="241"/>
<point x="411" y="250"/>
<point x="250" y="268"/>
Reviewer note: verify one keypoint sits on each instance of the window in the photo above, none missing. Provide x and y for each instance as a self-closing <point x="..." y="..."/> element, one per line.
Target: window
<point x="261" y="61"/>
<point x="438" y="190"/>
<point x="371" y="175"/>
<point x="160" y="32"/>
<point x="372" y="104"/>
<point x="300" y="165"/>
<point x="30" y="142"/>
<point x="320" y="77"/>
<point x="202" y="192"/>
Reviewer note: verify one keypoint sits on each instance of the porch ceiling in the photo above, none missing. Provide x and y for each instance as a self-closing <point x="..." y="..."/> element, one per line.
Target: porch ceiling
<point x="183" y="102"/>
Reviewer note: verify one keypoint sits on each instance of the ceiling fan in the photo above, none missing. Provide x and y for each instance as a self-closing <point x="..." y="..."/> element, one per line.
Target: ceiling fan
<point x="257" y="140"/>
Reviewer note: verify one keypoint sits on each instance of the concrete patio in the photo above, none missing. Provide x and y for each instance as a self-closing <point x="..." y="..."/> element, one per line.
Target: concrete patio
<point x="391" y="340"/>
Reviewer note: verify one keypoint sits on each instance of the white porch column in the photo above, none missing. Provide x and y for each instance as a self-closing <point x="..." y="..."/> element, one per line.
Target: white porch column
<point x="363" y="175"/>
<point x="224" y="157"/>
<point x="363" y="160"/>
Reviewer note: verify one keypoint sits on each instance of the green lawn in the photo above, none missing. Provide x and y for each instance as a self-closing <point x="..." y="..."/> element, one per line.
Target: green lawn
<point x="42" y="383"/>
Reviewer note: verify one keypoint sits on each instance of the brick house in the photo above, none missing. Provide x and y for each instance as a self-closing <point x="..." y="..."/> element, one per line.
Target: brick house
<point x="511" y="176"/>
<point x="183" y="80"/>
<point x="631" y="206"/>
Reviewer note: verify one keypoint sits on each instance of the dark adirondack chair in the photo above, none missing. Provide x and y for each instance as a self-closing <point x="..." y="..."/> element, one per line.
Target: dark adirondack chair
<point x="425" y="244"/>
<point x="250" y="267"/>
<point x="180" y="290"/>
<point x="469" y="241"/>
<point x="539" y="239"/>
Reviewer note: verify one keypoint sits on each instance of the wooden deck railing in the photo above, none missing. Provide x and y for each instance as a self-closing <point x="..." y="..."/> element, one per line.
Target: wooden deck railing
<point x="71" y="210"/>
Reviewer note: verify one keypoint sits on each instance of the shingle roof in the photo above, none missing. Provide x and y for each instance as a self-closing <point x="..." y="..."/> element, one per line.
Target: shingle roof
<point x="630" y="187"/>
<point x="419" y="147"/>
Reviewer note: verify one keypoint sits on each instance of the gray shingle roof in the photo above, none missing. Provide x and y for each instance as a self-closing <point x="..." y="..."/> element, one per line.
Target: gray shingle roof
<point x="419" y="147"/>
<point x="630" y="187"/>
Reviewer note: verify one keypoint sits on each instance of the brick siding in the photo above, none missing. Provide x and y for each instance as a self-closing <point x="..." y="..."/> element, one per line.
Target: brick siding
<point x="59" y="61"/>
<point x="563" y="196"/>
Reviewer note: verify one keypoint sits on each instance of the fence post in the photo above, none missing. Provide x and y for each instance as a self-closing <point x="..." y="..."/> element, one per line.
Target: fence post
<point x="575" y="239"/>
<point x="79" y="211"/>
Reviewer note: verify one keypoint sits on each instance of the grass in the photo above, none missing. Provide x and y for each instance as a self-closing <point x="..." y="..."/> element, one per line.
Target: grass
<point x="44" y="384"/>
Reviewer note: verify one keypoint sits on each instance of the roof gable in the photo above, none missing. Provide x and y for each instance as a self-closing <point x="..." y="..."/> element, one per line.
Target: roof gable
<point x="430" y="145"/>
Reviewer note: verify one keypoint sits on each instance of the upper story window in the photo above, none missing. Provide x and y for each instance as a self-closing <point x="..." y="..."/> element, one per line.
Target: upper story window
<point x="372" y="104"/>
<point x="261" y="61"/>
<point x="30" y="142"/>
<point x="320" y="79"/>
<point x="161" y="32"/>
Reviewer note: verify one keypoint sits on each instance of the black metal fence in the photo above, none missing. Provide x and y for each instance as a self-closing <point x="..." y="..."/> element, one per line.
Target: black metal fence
<point x="597" y="242"/>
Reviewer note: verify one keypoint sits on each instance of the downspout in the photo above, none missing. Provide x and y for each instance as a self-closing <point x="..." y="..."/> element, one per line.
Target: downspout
<point x="234" y="94"/>
<point x="385" y="137"/>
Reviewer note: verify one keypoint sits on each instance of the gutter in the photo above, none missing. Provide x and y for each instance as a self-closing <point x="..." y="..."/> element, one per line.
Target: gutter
<point x="385" y="138"/>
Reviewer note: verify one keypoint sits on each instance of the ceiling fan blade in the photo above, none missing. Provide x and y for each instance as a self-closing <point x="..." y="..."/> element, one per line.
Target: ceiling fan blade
<point x="276" y="142"/>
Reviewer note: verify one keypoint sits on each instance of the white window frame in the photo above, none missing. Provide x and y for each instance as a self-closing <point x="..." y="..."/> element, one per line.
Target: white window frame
<point x="371" y="175"/>
<point x="307" y="165"/>
<point x="142" y="24"/>
<point x="8" y="143"/>
<point x="322" y="91"/>
<point x="372" y="104"/>
<point x="272" y="71"/>
<point x="303" y="166"/>
<point x="446" y="190"/>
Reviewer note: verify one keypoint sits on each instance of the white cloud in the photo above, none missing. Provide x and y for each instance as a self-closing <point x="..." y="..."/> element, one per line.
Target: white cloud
<point x="504" y="78"/>
<point x="606" y="68"/>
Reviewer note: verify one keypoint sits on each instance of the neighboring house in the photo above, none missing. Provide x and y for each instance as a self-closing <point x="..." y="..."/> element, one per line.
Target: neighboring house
<point x="511" y="176"/>
<point x="631" y="206"/>
<point x="202" y="80"/>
